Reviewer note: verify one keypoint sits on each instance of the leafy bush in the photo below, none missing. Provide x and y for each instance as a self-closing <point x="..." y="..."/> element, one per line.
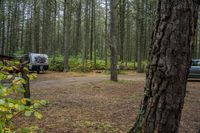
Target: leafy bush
<point x="128" y="66"/>
<point x="57" y="64"/>
<point x="144" y="65"/>
<point x="75" y="64"/>
<point x="11" y="102"/>
<point x="100" y="65"/>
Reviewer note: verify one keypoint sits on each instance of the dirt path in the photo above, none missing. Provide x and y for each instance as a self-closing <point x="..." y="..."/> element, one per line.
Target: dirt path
<point x="61" y="80"/>
<point x="89" y="103"/>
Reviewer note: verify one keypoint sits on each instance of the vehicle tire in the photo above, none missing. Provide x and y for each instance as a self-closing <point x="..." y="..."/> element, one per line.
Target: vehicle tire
<point x="38" y="71"/>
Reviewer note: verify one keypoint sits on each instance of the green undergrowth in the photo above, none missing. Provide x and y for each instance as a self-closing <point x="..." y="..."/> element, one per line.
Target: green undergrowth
<point x="75" y="64"/>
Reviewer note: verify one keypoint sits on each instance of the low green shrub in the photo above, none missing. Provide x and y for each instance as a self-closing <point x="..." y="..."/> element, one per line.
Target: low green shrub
<point x="57" y="64"/>
<point x="144" y="65"/>
<point x="128" y="66"/>
<point x="75" y="64"/>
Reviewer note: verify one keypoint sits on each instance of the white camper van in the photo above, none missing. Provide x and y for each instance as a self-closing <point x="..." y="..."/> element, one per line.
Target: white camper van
<point x="38" y="62"/>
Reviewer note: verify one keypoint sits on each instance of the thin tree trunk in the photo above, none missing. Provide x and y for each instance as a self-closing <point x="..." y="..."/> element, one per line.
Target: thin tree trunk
<point x="54" y="31"/>
<point x="78" y="28"/>
<point x="122" y="28"/>
<point x="26" y="85"/>
<point x="94" y="34"/>
<point x="58" y="29"/>
<point x="106" y="36"/>
<point x="92" y="29"/>
<point x="128" y="35"/>
<point x="3" y="29"/>
<point x="36" y="26"/>
<point x="67" y="20"/>
<point x="22" y="28"/>
<point x="137" y="31"/>
<point x="113" y="40"/>
<point x="86" y="37"/>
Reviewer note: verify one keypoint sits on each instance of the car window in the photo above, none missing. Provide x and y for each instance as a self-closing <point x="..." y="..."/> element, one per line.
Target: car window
<point x="195" y="63"/>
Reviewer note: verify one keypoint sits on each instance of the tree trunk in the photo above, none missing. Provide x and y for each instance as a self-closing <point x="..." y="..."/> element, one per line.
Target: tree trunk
<point x="122" y="28"/>
<point x="54" y="30"/>
<point x="78" y="28"/>
<point x="106" y="35"/>
<point x="22" y="28"/>
<point x="86" y="35"/>
<point x="58" y="29"/>
<point x="94" y="33"/>
<point x="67" y="19"/>
<point x="113" y="39"/>
<point x="92" y="29"/>
<point x="44" y="27"/>
<point x="137" y="48"/>
<point x="170" y="59"/>
<point x="36" y="26"/>
<point x="3" y="29"/>
<point x="128" y="34"/>
<point x="141" y="36"/>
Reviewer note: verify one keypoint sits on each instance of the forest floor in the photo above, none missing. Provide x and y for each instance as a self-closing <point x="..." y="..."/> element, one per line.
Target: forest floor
<point x="89" y="103"/>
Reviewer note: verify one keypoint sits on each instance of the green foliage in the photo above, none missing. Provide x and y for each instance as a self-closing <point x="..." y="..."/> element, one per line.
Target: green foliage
<point x="19" y="53"/>
<point x="75" y="64"/>
<point x="29" y="130"/>
<point x="11" y="102"/>
<point x="144" y="65"/>
<point x="1" y="64"/>
<point x="57" y="64"/>
<point x="128" y="66"/>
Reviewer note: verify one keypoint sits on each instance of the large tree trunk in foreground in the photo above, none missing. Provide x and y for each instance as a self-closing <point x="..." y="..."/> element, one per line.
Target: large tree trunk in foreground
<point x="113" y="39"/>
<point x="170" y="59"/>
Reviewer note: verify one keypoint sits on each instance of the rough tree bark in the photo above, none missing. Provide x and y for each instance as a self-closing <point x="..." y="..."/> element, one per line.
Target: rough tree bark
<point x="86" y="34"/>
<point x="54" y="30"/>
<point x="106" y="34"/>
<point x="113" y="39"/>
<point x="170" y="59"/>
<point x="36" y="28"/>
<point x="141" y="35"/>
<point x="128" y="33"/>
<point x="78" y="28"/>
<point x="22" y="27"/>
<point x="67" y="20"/>
<point x="3" y="28"/>
<point x="137" y="45"/>
<point x="122" y="28"/>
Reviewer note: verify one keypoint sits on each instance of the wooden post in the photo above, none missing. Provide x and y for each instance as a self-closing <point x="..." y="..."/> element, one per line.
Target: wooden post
<point x="26" y="85"/>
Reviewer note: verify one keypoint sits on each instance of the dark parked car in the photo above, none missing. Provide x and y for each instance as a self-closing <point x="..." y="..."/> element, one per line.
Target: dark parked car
<point x="195" y="69"/>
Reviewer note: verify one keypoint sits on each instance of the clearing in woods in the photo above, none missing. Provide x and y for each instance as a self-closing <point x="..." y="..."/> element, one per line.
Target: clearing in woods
<point x="82" y="103"/>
